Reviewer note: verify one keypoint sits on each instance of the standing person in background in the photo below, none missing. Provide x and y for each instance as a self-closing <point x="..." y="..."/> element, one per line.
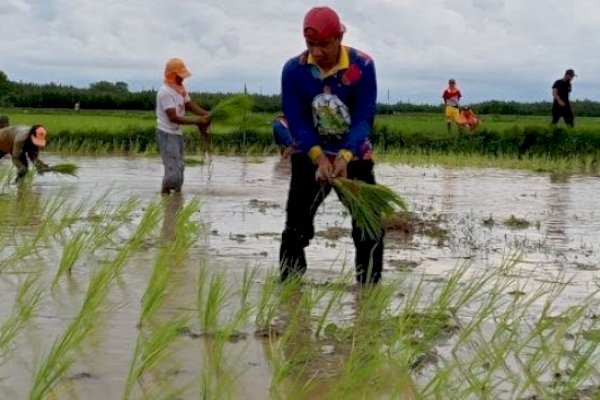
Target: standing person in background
<point x="23" y="142"/>
<point x="561" y="107"/>
<point x="3" y="121"/>
<point x="172" y="102"/>
<point x="328" y="94"/>
<point x="451" y="98"/>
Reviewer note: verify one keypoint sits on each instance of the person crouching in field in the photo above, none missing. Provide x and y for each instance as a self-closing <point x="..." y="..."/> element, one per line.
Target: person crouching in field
<point x="451" y="98"/>
<point x="467" y="120"/>
<point x="23" y="142"/>
<point x="172" y="101"/>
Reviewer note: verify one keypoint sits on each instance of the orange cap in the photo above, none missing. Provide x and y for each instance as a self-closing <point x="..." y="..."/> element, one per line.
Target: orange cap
<point x="39" y="136"/>
<point x="177" y="67"/>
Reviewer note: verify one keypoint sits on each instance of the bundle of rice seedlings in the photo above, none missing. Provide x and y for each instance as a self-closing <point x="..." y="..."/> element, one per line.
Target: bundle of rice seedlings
<point x="67" y="169"/>
<point x="192" y="162"/>
<point x="231" y="107"/>
<point x="370" y="205"/>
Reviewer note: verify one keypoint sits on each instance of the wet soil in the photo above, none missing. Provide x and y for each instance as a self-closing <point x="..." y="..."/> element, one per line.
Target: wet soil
<point x="457" y="216"/>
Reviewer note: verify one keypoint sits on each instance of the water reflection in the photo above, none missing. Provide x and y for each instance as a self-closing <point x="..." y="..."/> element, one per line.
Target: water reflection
<point x="172" y="206"/>
<point x="558" y="201"/>
<point x="23" y="208"/>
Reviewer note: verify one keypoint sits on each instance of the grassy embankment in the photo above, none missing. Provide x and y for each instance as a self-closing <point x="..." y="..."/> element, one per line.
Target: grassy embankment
<point x="502" y="141"/>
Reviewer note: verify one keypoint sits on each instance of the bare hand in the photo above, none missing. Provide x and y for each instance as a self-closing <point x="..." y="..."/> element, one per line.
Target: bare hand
<point x="287" y="152"/>
<point x="561" y="103"/>
<point x="340" y="168"/>
<point x="203" y="122"/>
<point x="324" y="169"/>
<point x="203" y="132"/>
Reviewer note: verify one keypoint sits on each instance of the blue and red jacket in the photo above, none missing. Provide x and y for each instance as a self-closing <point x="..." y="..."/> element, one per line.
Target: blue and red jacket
<point x="333" y="111"/>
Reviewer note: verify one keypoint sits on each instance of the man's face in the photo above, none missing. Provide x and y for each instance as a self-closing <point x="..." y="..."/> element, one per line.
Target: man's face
<point x="569" y="77"/>
<point x="324" y="52"/>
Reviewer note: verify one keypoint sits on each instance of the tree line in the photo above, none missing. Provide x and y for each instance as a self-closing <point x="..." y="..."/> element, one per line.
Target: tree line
<point x="104" y="95"/>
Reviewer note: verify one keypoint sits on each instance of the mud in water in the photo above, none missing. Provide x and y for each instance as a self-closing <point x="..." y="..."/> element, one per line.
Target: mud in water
<point x="458" y="216"/>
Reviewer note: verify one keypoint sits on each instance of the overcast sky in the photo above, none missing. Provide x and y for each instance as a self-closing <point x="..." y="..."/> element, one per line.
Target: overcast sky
<point x="495" y="49"/>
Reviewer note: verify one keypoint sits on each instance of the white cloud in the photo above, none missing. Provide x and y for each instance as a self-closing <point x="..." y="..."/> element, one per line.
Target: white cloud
<point x="509" y="49"/>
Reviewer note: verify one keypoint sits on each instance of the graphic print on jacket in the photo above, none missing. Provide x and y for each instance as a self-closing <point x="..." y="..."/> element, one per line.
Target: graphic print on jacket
<point x="331" y="116"/>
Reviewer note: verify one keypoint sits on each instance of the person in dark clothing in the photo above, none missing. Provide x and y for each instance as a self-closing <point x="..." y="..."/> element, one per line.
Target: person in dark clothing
<point x="561" y="107"/>
<point x="328" y="94"/>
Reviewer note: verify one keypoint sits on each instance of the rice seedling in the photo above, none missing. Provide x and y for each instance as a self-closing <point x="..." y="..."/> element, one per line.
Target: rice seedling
<point x="60" y="358"/>
<point x="152" y="346"/>
<point x="72" y="250"/>
<point x="192" y="162"/>
<point x="65" y="169"/>
<point x="210" y="306"/>
<point x="369" y="204"/>
<point x="267" y="306"/>
<point x="151" y="350"/>
<point x="27" y="301"/>
<point x="231" y="107"/>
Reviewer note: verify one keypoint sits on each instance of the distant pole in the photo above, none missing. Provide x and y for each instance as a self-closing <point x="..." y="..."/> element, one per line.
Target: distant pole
<point x="388" y="96"/>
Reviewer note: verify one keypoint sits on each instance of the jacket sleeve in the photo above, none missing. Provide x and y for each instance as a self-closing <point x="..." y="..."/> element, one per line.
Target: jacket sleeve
<point x="363" y="111"/>
<point x="18" y="148"/>
<point x="297" y="109"/>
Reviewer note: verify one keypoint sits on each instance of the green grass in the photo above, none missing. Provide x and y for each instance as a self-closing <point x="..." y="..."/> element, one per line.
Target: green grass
<point x="436" y="124"/>
<point x="524" y="142"/>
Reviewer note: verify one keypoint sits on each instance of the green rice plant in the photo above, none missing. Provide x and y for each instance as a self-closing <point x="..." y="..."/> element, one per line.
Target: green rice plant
<point x="231" y="107"/>
<point x="151" y="350"/>
<point x="45" y="226"/>
<point x="267" y="306"/>
<point x="211" y="306"/>
<point x="107" y="219"/>
<point x="334" y="299"/>
<point x="369" y="204"/>
<point x="152" y="347"/>
<point x="60" y="357"/>
<point x="66" y="169"/>
<point x="72" y="250"/>
<point x="27" y="301"/>
<point x="248" y="279"/>
<point x="192" y="162"/>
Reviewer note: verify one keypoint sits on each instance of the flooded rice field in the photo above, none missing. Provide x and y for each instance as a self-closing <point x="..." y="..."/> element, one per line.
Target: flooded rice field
<point x="110" y="291"/>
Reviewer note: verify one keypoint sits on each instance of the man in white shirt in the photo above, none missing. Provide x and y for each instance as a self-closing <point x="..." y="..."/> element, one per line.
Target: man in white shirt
<point x="172" y="102"/>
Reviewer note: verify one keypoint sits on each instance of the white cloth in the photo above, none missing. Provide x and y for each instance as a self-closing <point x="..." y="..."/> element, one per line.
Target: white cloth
<point x="166" y="98"/>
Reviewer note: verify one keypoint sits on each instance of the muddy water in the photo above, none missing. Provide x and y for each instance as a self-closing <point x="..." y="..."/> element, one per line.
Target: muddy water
<point x="464" y="214"/>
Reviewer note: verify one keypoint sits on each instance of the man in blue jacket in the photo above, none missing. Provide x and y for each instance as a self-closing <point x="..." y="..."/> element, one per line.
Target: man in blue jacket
<point x="329" y="94"/>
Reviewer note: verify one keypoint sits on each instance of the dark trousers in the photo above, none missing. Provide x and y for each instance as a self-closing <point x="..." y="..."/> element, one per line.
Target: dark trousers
<point x="565" y="112"/>
<point x="305" y="196"/>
